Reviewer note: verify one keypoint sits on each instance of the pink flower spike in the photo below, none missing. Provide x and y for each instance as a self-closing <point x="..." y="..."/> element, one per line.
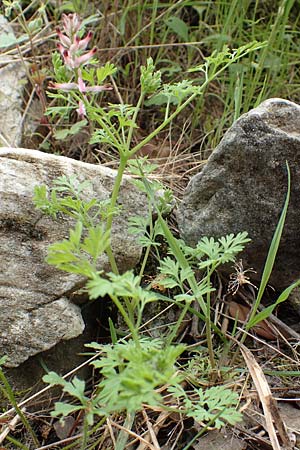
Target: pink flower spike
<point x="67" y="24"/>
<point x="81" y="111"/>
<point x="84" y="58"/>
<point x="63" y="86"/>
<point x="66" y="42"/>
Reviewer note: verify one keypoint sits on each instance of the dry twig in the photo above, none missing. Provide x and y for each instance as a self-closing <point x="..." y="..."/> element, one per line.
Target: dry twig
<point x="271" y="412"/>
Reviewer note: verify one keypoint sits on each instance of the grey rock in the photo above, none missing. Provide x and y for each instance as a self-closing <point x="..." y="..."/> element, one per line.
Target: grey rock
<point x="62" y="358"/>
<point x="243" y="188"/>
<point x="224" y="439"/>
<point x="12" y="83"/>
<point x="35" y="305"/>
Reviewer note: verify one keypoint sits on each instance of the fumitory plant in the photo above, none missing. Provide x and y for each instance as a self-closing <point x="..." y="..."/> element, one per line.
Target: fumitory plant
<point x="123" y="365"/>
<point x="115" y="124"/>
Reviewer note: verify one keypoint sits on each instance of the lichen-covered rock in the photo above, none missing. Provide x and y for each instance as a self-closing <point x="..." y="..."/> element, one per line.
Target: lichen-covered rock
<point x="12" y="83"/>
<point x="35" y="305"/>
<point x="243" y="188"/>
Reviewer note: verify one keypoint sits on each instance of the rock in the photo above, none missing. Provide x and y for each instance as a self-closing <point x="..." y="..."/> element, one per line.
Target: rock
<point x="291" y="419"/>
<point x="12" y="83"/>
<point x="294" y="302"/>
<point x="62" y="358"/>
<point x="36" y="309"/>
<point x="223" y="439"/>
<point x="243" y="188"/>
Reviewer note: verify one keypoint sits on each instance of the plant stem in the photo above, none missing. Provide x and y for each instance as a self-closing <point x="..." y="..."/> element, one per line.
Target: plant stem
<point x="134" y="118"/>
<point x="8" y="392"/>
<point x="152" y="237"/>
<point x="178" y="323"/>
<point x="165" y="123"/>
<point x="145" y="259"/>
<point x="123" y="435"/>
<point x="208" y="326"/>
<point x="126" y="318"/>
<point x="215" y="73"/>
<point x="85" y="433"/>
<point x="113" y="202"/>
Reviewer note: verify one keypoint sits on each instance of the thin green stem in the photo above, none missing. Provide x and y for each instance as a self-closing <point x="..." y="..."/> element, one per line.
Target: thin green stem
<point x="8" y="392"/>
<point x="85" y="434"/>
<point x="134" y="118"/>
<point x="151" y="234"/>
<point x="112" y="260"/>
<point x="98" y="442"/>
<point x="208" y="326"/>
<point x="113" y="202"/>
<point x="115" y="191"/>
<point x="17" y="443"/>
<point x="203" y="430"/>
<point x="145" y="259"/>
<point x="178" y="324"/>
<point x="111" y="132"/>
<point x="163" y="125"/>
<point x="126" y="318"/>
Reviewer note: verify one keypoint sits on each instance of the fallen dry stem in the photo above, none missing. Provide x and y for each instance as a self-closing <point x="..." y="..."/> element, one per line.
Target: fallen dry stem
<point x="153" y="429"/>
<point x="10" y="426"/>
<point x="132" y="433"/>
<point x="271" y="412"/>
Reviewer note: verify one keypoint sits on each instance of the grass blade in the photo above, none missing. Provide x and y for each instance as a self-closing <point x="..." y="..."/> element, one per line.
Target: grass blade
<point x="271" y="255"/>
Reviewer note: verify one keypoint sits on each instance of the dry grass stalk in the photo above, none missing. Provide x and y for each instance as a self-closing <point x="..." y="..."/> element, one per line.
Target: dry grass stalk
<point x="272" y="415"/>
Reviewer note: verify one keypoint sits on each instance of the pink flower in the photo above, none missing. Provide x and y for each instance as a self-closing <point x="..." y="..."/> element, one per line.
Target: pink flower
<point x="83" y="88"/>
<point x="81" y="111"/>
<point x="104" y="87"/>
<point x="80" y="86"/>
<point x="65" y="40"/>
<point x="77" y="61"/>
<point x="68" y="59"/>
<point x="63" y="86"/>
<point x="70" y="45"/>
<point x="71" y="24"/>
<point x="71" y="48"/>
<point x="81" y="44"/>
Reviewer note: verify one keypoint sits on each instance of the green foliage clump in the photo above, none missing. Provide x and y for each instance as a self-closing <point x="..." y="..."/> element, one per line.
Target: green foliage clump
<point x="133" y="371"/>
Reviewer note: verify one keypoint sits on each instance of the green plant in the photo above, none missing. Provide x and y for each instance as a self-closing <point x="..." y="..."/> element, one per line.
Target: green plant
<point x="7" y="391"/>
<point x="130" y="370"/>
<point x="130" y="376"/>
<point x="215" y="405"/>
<point x="255" y="71"/>
<point x="152" y="363"/>
<point x="116" y="123"/>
